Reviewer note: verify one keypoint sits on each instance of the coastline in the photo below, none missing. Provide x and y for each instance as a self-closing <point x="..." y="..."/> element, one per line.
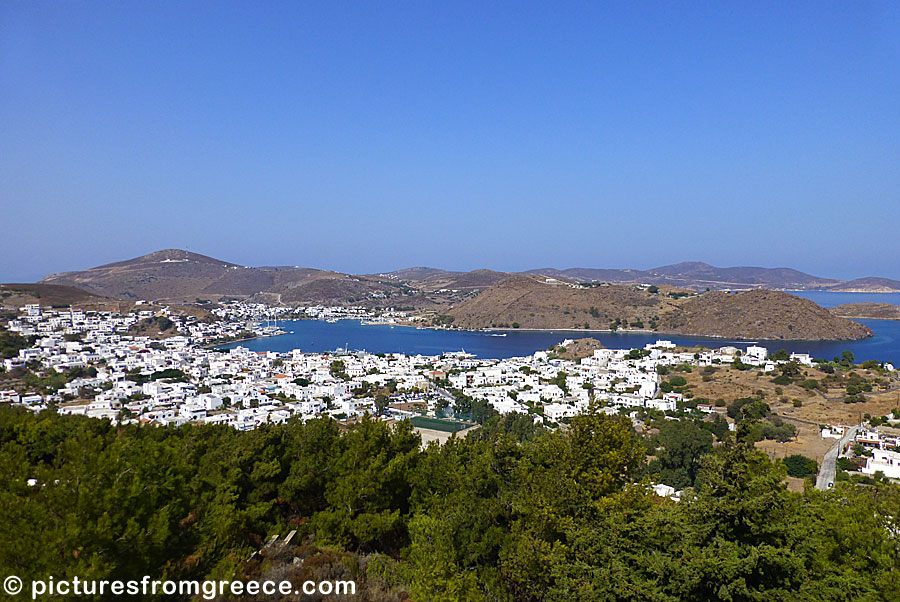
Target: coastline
<point x="634" y="331"/>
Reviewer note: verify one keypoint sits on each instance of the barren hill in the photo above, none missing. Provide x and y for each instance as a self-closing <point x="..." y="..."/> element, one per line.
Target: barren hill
<point x="867" y="285"/>
<point x="578" y="349"/>
<point x="874" y="311"/>
<point x="431" y="279"/>
<point x="17" y="295"/>
<point x="698" y="273"/>
<point x="163" y="275"/>
<point x="536" y="302"/>
<point x="761" y="314"/>
<point x="175" y="275"/>
<point x="539" y="302"/>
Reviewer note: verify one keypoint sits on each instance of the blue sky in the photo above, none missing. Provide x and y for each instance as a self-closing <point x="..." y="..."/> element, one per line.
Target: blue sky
<point x="373" y="136"/>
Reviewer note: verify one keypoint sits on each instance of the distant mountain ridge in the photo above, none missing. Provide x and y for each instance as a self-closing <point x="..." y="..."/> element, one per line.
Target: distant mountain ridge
<point x="176" y="275"/>
<point x="699" y="275"/>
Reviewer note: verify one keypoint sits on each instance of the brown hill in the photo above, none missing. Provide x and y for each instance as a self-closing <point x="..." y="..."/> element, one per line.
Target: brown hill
<point x="432" y="279"/>
<point x="339" y="289"/>
<point x="415" y="275"/>
<point x="761" y="314"/>
<point x="700" y="274"/>
<point x="171" y="274"/>
<point x="867" y="285"/>
<point x="579" y="348"/>
<point x="14" y="296"/>
<point x="175" y="276"/>
<point x="17" y="295"/>
<point x="538" y="302"/>
<point x="873" y="311"/>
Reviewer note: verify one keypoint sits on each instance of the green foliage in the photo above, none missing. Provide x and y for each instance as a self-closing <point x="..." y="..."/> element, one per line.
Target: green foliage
<point x="810" y="384"/>
<point x="680" y="445"/>
<point x="442" y="320"/>
<point x="800" y="466"/>
<point x="560" y="381"/>
<point x="11" y="343"/>
<point x="677" y="381"/>
<point x="747" y="407"/>
<point x="791" y="368"/>
<point x="783" y="379"/>
<point x="512" y="512"/>
<point x="338" y="370"/>
<point x="476" y="410"/>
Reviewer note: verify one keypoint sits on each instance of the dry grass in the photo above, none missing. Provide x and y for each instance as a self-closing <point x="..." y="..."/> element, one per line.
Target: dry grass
<point x="818" y="407"/>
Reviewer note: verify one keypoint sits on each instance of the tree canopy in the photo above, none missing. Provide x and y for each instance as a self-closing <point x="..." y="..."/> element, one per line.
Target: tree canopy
<point x="513" y="513"/>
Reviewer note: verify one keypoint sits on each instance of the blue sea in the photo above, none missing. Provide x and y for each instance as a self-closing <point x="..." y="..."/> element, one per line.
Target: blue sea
<point x="319" y="336"/>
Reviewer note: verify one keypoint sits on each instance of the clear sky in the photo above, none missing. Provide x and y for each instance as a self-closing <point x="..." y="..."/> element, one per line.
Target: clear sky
<point x="372" y="136"/>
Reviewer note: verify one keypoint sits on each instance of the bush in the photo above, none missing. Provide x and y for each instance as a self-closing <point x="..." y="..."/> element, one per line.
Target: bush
<point x="800" y="466"/>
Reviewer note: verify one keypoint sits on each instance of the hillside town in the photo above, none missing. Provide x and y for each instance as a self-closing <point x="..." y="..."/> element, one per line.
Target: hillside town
<point x="183" y="378"/>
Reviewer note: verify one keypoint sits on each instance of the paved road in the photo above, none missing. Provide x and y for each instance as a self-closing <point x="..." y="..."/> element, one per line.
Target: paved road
<point x="825" y="478"/>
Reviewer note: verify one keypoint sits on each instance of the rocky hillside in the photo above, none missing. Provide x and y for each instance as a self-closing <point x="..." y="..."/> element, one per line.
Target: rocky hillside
<point x="168" y="274"/>
<point x="578" y="349"/>
<point x="432" y="279"/>
<point x="176" y="276"/>
<point x="539" y="302"/>
<point x="173" y="275"/>
<point x="874" y="311"/>
<point x="761" y="314"/>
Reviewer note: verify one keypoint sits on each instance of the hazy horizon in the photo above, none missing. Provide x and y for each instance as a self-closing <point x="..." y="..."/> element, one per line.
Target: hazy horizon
<point x="375" y="137"/>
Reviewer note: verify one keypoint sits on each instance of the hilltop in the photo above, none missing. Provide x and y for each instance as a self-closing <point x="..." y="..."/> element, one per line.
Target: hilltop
<point x="177" y="276"/>
<point x="539" y="302"/>
<point x="174" y="275"/>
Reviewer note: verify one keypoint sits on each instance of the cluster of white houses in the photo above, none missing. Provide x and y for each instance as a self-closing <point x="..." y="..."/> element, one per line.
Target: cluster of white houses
<point x="180" y="379"/>
<point x="883" y="456"/>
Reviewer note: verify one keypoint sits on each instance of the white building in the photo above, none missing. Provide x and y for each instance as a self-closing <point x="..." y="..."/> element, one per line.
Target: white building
<point x="884" y="461"/>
